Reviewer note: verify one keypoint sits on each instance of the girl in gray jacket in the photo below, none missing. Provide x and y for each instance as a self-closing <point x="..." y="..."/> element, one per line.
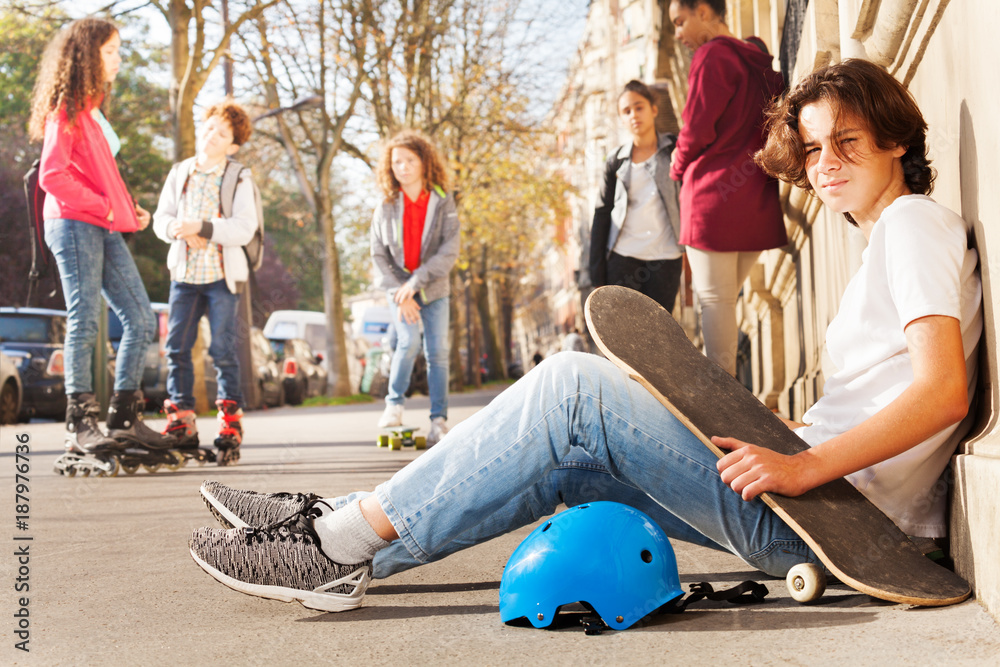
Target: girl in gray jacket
<point x="414" y="244"/>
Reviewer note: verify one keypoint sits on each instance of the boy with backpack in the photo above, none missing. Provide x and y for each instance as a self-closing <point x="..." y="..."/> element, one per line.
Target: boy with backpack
<point x="209" y="211"/>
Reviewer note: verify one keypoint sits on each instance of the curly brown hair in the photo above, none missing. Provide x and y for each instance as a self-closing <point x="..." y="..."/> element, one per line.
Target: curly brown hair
<point x="236" y="116"/>
<point x="855" y="89"/>
<point x="71" y="75"/>
<point x="435" y="172"/>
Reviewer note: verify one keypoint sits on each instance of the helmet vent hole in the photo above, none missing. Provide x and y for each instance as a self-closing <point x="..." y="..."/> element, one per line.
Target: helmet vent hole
<point x="646" y="556"/>
<point x="547" y="526"/>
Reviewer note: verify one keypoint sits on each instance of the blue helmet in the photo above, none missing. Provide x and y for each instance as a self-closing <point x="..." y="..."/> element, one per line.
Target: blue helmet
<point x="609" y="556"/>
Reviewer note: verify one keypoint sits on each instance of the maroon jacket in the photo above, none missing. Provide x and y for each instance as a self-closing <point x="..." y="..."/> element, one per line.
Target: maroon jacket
<point x="80" y="176"/>
<point x="727" y="203"/>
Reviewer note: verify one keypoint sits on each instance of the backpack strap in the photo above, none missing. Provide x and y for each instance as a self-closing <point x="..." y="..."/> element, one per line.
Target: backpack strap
<point x="227" y="191"/>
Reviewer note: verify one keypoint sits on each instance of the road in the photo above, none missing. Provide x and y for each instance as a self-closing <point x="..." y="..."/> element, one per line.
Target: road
<point x="110" y="579"/>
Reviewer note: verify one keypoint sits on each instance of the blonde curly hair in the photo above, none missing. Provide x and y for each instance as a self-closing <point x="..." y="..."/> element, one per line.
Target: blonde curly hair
<point x="71" y="75"/>
<point x="435" y="173"/>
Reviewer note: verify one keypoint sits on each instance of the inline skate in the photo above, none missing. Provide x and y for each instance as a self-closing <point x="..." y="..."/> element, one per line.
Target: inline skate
<point x="181" y="425"/>
<point x="230" y="432"/>
<point x="143" y="447"/>
<point x="88" y="449"/>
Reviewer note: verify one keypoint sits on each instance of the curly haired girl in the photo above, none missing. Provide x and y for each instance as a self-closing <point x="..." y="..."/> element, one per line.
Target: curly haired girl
<point x="87" y="209"/>
<point x="414" y="244"/>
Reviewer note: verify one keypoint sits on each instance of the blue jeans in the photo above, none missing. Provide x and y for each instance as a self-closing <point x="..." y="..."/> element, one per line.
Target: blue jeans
<point x="187" y="305"/>
<point x="435" y="316"/>
<point x="575" y="429"/>
<point x="94" y="261"/>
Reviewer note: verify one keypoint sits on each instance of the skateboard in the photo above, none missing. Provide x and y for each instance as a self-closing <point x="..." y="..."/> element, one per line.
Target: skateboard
<point x="397" y="437"/>
<point x="859" y="544"/>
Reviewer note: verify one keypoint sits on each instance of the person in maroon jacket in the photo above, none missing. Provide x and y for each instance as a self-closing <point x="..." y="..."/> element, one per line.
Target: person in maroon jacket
<point x="87" y="209"/>
<point x="729" y="208"/>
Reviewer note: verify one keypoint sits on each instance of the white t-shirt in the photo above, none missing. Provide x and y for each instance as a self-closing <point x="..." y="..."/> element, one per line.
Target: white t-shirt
<point x="917" y="263"/>
<point x="646" y="233"/>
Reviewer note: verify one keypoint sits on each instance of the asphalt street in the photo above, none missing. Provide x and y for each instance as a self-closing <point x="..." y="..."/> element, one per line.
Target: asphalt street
<point x="102" y="575"/>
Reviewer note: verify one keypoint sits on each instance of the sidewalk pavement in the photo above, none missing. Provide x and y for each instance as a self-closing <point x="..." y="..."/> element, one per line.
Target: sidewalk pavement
<point x="111" y="580"/>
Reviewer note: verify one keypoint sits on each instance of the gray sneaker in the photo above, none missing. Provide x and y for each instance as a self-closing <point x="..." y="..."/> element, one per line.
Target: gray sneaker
<point x="235" y="508"/>
<point x="281" y="562"/>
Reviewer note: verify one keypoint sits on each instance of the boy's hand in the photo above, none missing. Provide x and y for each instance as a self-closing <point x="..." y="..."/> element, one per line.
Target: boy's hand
<point x="409" y="311"/>
<point x="404" y="293"/>
<point x="194" y="241"/>
<point x="143" y="216"/>
<point x="180" y="229"/>
<point x="750" y="470"/>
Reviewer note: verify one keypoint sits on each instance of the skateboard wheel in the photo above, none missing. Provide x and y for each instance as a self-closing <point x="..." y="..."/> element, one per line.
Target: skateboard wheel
<point x="395" y="443"/>
<point x="420" y="442"/>
<point x="382" y="441"/>
<point x="806" y="582"/>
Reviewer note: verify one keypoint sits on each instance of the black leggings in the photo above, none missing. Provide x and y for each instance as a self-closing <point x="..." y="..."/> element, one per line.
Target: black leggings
<point x="658" y="279"/>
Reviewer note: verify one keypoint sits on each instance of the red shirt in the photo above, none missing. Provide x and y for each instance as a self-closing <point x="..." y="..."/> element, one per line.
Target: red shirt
<point x="414" y="215"/>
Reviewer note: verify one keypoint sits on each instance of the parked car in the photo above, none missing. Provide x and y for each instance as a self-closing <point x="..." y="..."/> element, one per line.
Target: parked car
<point x="267" y="369"/>
<point x="308" y="325"/>
<point x="33" y="338"/>
<point x="302" y="372"/>
<point x="154" y="371"/>
<point x="311" y="326"/>
<point x="10" y="390"/>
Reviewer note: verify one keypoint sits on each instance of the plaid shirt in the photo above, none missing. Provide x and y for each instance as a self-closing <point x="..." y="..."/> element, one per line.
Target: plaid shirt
<point x="200" y="201"/>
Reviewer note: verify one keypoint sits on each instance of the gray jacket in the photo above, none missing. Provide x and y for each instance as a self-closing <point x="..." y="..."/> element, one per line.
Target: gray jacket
<point x="612" y="202"/>
<point x="438" y="250"/>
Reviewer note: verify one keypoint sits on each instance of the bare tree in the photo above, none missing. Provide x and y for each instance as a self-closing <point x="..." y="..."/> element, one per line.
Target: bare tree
<point x="194" y="54"/>
<point x="448" y="67"/>
<point x="320" y="52"/>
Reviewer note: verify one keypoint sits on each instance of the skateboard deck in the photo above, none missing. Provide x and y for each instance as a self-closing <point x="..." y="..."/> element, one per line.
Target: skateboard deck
<point x="397" y="437"/>
<point x="859" y="544"/>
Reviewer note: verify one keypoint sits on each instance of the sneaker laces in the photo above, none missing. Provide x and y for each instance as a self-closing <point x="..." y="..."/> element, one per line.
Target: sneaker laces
<point x="297" y="527"/>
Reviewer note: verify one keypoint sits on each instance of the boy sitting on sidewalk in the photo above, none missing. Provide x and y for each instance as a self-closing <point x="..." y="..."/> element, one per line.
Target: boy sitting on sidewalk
<point x="208" y="270"/>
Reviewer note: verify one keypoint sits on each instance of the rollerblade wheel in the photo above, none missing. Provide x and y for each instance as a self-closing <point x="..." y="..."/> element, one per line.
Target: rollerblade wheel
<point x="108" y="468"/>
<point x="130" y="468"/>
<point x="806" y="582"/>
<point x="178" y="461"/>
<point x="151" y="467"/>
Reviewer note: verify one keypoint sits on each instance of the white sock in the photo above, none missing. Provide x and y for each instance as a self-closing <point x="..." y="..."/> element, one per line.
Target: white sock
<point x="345" y="536"/>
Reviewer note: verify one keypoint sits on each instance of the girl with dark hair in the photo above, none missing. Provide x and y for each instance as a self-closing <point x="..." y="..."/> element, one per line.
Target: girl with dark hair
<point x="414" y="244"/>
<point x="633" y="240"/>
<point x="87" y="209"/>
<point x="730" y="210"/>
<point x="578" y="429"/>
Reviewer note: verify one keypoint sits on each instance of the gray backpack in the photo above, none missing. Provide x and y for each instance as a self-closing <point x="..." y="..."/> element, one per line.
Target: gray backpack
<point x="231" y="177"/>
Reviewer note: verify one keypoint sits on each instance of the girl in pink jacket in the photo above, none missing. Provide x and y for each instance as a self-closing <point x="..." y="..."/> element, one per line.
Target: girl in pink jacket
<point x="87" y="209"/>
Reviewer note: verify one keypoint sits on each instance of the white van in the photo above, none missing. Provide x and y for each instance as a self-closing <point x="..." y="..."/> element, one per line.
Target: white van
<point x="374" y="324"/>
<point x="309" y="325"/>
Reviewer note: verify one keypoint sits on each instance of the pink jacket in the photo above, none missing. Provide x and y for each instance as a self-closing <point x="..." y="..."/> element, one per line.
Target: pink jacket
<point x="727" y="203"/>
<point x="80" y="176"/>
